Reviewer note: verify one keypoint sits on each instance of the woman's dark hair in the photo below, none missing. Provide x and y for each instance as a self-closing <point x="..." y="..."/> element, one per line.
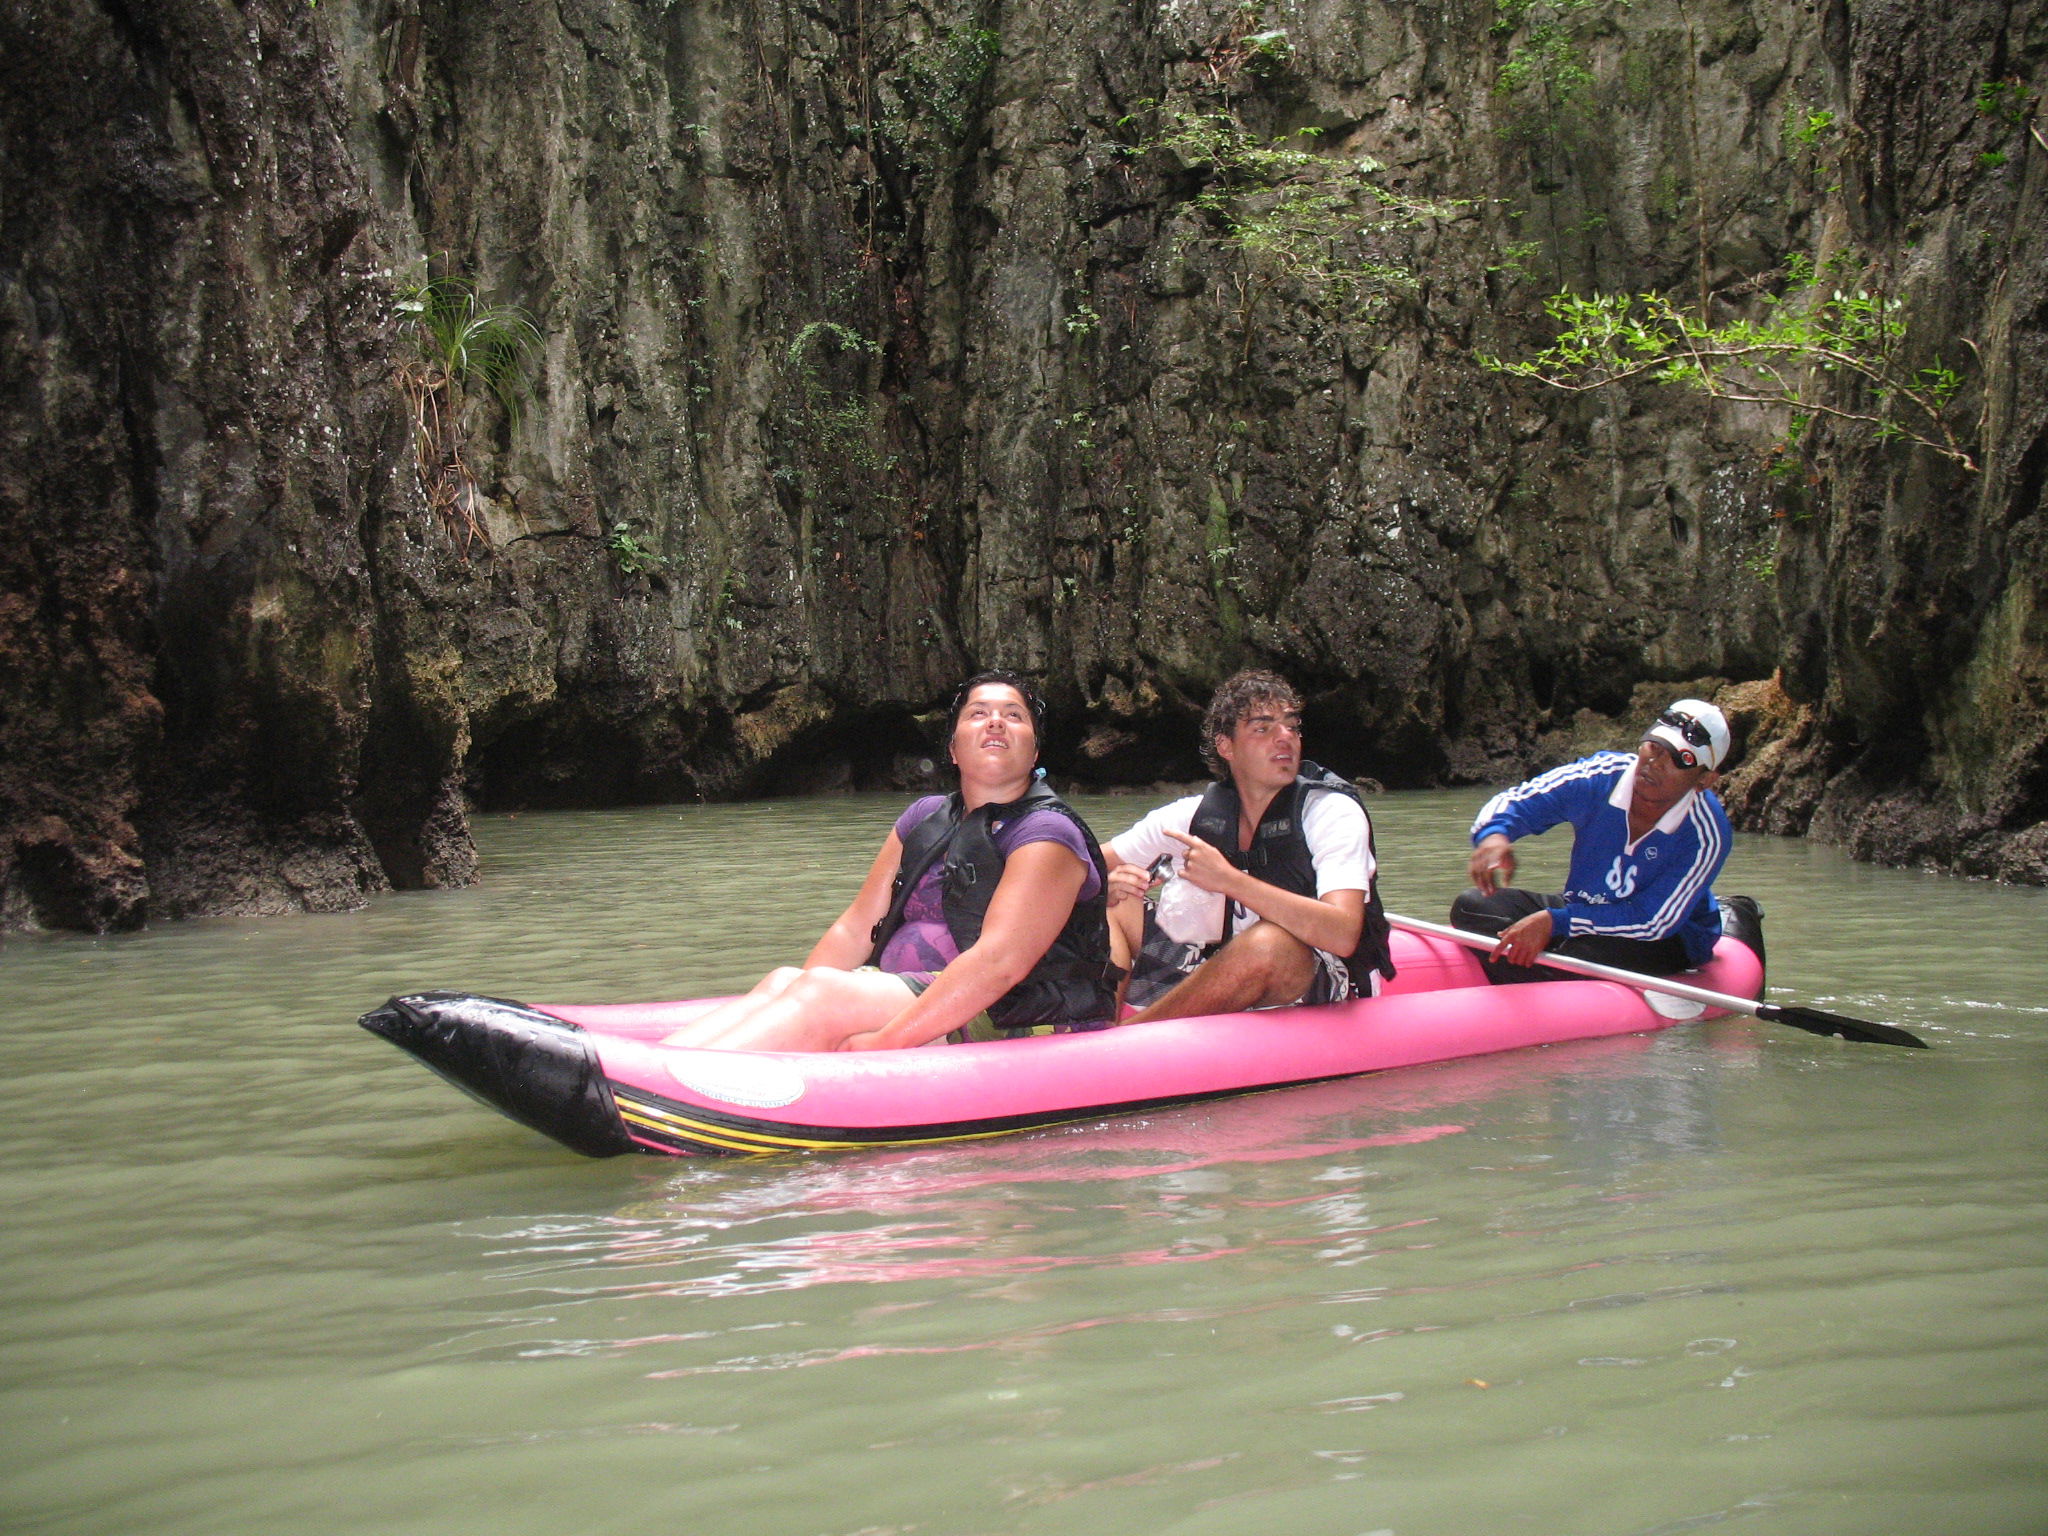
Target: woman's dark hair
<point x="1237" y="697"/>
<point x="1022" y="684"/>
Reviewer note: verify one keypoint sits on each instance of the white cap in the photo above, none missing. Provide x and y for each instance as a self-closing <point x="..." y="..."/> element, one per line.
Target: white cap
<point x="1694" y="726"/>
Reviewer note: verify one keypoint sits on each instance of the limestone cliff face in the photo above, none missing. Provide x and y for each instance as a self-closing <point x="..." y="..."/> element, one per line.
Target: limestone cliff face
<point x="881" y="343"/>
<point x="1913" y="594"/>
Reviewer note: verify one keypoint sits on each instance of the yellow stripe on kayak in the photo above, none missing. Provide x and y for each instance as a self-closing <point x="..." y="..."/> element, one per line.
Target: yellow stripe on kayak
<point x="733" y="1138"/>
<point x="745" y="1139"/>
<point x="683" y="1138"/>
<point x="673" y="1127"/>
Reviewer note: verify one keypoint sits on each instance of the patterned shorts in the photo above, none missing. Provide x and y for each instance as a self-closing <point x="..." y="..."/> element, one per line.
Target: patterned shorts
<point x="1331" y="982"/>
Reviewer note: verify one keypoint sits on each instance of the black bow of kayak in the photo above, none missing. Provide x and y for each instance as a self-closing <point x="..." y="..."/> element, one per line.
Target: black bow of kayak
<point x="540" y="1070"/>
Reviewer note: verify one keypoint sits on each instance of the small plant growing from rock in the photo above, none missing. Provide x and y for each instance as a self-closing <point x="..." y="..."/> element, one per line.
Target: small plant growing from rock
<point x="629" y="554"/>
<point x="1546" y="81"/>
<point x="1518" y="258"/>
<point x="942" y="80"/>
<point x="1292" y="216"/>
<point x="463" y="348"/>
<point x="839" y="420"/>
<point x="2009" y="101"/>
<point x="1807" y="126"/>
<point x="2011" y="104"/>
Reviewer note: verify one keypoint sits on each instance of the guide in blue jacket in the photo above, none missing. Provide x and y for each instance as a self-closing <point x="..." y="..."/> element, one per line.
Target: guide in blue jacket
<point x="1648" y="837"/>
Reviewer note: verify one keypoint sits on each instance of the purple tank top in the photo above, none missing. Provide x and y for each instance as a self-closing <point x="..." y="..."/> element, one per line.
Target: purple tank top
<point x="924" y="943"/>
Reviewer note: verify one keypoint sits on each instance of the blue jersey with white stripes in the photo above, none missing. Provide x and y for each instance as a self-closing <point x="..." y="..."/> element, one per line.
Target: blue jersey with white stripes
<point x="1662" y="885"/>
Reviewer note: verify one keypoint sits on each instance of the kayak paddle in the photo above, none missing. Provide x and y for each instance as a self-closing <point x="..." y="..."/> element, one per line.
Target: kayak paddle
<point x="1814" y="1020"/>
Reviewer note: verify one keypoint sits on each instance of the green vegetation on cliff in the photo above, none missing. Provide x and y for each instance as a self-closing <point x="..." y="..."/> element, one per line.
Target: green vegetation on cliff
<point x="1811" y="353"/>
<point x="463" y="348"/>
<point x="1121" y="345"/>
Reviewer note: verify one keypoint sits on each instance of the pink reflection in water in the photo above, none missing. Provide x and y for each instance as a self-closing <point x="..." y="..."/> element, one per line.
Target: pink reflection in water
<point x="959" y="1199"/>
<point x="1283" y="1125"/>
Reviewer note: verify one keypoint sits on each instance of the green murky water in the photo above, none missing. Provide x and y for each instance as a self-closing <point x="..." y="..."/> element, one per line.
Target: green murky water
<point x="266" y="1275"/>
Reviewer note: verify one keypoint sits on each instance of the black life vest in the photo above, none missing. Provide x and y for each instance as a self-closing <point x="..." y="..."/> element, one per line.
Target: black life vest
<point x="1075" y="980"/>
<point x="1279" y="855"/>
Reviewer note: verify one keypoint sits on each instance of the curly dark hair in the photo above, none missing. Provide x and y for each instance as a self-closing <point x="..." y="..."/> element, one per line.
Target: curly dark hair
<point x="1033" y="701"/>
<point x="1235" y="698"/>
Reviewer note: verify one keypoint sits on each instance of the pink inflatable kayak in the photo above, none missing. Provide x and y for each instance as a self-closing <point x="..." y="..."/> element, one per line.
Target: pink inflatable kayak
<point x="597" y="1079"/>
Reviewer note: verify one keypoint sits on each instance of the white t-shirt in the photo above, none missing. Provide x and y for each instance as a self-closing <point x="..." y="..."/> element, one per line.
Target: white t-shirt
<point x="1335" y="829"/>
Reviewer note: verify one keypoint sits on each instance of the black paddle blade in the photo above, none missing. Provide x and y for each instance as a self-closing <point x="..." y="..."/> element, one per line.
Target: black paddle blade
<point x="1820" y="1022"/>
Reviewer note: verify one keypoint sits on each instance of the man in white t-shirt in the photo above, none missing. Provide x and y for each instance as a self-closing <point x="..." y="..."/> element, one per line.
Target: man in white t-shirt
<point x="1259" y="892"/>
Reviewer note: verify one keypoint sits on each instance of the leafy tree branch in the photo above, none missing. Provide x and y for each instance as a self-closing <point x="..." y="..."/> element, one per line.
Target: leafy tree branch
<point x="1814" y="356"/>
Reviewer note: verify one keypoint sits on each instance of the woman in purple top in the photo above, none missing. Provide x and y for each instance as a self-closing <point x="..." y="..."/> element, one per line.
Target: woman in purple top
<point x="999" y="911"/>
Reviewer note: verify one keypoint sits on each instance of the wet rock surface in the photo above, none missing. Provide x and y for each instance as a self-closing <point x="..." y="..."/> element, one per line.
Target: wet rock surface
<point x="882" y="343"/>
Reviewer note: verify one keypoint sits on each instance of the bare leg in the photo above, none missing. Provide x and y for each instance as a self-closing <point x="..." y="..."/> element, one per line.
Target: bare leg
<point x="1126" y="933"/>
<point x="1263" y="966"/>
<point x="815" y="1011"/>
<point x="716" y="1021"/>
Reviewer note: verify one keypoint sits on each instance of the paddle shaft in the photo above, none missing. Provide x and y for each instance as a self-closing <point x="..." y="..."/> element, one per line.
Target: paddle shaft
<point x="1813" y="1020"/>
<point x="1636" y="979"/>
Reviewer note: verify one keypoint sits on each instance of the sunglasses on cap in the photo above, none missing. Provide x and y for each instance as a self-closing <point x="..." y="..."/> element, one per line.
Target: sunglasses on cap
<point x="1687" y="727"/>
<point x="1691" y="730"/>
